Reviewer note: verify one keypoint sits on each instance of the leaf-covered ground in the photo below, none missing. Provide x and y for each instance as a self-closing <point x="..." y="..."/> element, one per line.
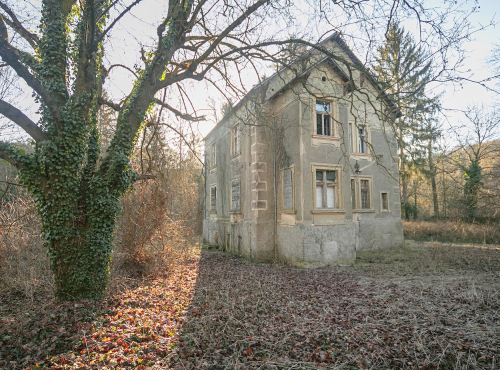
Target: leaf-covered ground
<point x="426" y="306"/>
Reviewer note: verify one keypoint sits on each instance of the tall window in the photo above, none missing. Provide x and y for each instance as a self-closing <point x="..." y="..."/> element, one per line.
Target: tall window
<point x="350" y="138"/>
<point x="323" y="118"/>
<point x="287" y="189"/>
<point x="361" y="194"/>
<point x="235" y="195"/>
<point x="326" y="189"/>
<point x="213" y="156"/>
<point x="235" y="140"/>
<point x="213" y="198"/>
<point x="364" y="187"/>
<point x="361" y="139"/>
<point x="353" y="193"/>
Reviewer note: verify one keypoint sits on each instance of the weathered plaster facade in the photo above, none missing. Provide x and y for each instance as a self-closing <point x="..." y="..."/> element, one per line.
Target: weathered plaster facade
<point x="295" y="186"/>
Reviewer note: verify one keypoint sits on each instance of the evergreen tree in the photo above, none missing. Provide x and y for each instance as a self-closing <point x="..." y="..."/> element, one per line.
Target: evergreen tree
<point x="404" y="69"/>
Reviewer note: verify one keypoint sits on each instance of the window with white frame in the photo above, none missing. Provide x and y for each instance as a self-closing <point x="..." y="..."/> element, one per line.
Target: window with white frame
<point x="323" y="118"/>
<point x="213" y="198"/>
<point x="288" y="189"/>
<point x="235" y="140"/>
<point x="361" y="190"/>
<point x="326" y="189"/>
<point x="235" y="195"/>
<point x="213" y="155"/>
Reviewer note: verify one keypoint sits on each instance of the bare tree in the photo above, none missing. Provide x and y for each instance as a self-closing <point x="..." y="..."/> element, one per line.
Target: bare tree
<point x="75" y="184"/>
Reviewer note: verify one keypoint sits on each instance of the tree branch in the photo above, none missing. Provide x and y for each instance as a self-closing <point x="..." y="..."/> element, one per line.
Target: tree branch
<point x="20" y="119"/>
<point x="127" y="9"/>
<point x="16" y="25"/>
<point x="11" y="56"/>
<point x="185" y="116"/>
<point x="13" y="155"/>
<point x="110" y="104"/>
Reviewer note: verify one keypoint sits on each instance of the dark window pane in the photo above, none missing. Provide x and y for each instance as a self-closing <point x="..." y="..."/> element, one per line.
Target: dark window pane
<point x="330" y="175"/>
<point x="319" y="127"/>
<point x="319" y="175"/>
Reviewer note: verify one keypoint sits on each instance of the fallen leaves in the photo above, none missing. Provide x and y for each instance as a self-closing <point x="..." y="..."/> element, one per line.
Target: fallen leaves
<point x="224" y="312"/>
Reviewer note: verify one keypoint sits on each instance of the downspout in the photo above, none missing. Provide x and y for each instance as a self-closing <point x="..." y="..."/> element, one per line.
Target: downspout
<point x="275" y="194"/>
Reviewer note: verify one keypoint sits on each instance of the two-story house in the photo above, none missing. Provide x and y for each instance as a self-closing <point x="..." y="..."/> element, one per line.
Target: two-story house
<point x="304" y="168"/>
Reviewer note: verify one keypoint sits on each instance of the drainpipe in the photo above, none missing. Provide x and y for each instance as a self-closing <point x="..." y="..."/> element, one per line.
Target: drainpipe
<point x="274" y="193"/>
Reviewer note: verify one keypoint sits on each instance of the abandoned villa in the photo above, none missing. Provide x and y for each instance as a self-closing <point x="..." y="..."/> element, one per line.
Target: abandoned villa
<point x="304" y="168"/>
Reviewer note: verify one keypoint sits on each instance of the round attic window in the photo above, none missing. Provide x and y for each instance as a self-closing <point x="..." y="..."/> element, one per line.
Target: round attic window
<point x="323" y="78"/>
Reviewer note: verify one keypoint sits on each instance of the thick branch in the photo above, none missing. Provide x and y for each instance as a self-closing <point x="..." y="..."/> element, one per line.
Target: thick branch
<point x="12" y="155"/>
<point x="110" y="104"/>
<point x="185" y="116"/>
<point x="14" y="22"/>
<point x="20" y="119"/>
<point x="10" y="56"/>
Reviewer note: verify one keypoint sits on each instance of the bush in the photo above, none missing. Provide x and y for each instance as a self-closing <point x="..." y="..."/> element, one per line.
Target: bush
<point x="453" y="232"/>
<point x="24" y="263"/>
<point x="148" y="240"/>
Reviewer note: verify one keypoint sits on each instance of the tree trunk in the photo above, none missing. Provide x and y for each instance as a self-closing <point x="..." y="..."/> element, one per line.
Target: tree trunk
<point x="432" y="169"/>
<point x="402" y="178"/>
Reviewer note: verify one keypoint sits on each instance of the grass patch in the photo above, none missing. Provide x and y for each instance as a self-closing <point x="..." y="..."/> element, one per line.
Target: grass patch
<point x="452" y="232"/>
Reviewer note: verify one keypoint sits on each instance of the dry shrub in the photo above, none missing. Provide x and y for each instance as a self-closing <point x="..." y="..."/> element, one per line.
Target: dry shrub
<point x="149" y="240"/>
<point x="452" y="232"/>
<point x="24" y="263"/>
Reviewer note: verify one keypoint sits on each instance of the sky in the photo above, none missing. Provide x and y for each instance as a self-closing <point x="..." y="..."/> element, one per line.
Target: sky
<point x="139" y="27"/>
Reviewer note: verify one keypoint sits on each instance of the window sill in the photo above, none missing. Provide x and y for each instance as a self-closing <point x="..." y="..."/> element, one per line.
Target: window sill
<point x="236" y="155"/>
<point x="289" y="212"/>
<point x="235" y="212"/>
<point x="327" y="211"/>
<point x="323" y="139"/>
<point x="363" y="211"/>
<point x="361" y="155"/>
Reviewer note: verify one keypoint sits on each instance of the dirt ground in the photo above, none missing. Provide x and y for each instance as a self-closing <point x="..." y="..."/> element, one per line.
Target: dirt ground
<point x="424" y="306"/>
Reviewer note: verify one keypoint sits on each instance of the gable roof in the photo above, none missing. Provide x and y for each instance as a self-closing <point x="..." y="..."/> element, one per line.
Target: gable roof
<point x="302" y="76"/>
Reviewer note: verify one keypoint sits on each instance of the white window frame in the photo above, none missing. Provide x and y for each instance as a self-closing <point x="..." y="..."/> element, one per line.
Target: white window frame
<point x="336" y="184"/>
<point x="325" y="113"/>
<point x="235" y="140"/>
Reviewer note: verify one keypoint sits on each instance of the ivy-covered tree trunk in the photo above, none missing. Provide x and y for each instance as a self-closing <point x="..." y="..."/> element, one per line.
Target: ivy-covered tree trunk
<point x="76" y="187"/>
<point x="472" y="186"/>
